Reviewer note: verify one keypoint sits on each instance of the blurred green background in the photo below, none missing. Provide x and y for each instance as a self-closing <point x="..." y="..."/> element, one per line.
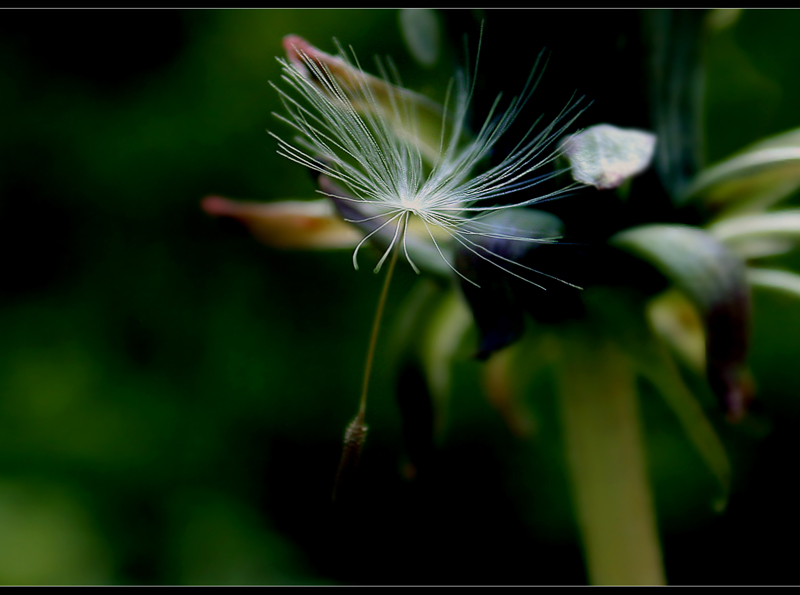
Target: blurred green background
<point x="173" y="394"/>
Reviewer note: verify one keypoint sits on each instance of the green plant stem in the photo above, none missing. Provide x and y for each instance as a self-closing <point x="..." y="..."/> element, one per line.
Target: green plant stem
<point x="606" y="461"/>
<point x="356" y="432"/>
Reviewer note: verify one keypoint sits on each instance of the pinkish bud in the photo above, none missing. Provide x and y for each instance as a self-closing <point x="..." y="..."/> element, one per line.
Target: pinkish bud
<point x="288" y="224"/>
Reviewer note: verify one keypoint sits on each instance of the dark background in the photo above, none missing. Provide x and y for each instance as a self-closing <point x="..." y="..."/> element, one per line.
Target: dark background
<point x="173" y="394"/>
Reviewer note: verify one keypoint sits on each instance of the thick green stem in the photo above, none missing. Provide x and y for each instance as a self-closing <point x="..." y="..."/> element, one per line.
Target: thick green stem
<point x="606" y="459"/>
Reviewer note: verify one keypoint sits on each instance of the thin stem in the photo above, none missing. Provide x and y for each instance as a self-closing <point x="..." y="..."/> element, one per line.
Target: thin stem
<point x="373" y="341"/>
<point x="356" y="432"/>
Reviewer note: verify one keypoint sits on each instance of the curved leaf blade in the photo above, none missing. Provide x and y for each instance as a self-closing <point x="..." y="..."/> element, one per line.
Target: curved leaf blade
<point x="783" y="281"/>
<point x="753" y="179"/>
<point x="715" y="280"/>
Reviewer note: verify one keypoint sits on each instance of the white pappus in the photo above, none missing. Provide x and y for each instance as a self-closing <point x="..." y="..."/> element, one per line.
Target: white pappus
<point x="408" y="163"/>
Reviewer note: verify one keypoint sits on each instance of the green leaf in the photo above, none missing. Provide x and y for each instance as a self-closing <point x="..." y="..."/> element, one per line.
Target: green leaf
<point x="415" y="402"/>
<point x="420" y="29"/>
<point x="676" y="90"/>
<point x="715" y="280"/>
<point x="692" y="258"/>
<point x="783" y="281"/>
<point x="503" y="375"/>
<point x="443" y="338"/>
<point x="675" y="319"/>
<point x="753" y="236"/>
<point x="719" y="19"/>
<point x="755" y="178"/>
<point x="605" y="156"/>
<point x="655" y="364"/>
<point x="624" y="319"/>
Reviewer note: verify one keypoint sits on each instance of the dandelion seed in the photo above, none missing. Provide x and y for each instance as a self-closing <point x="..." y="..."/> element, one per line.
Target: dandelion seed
<point x="373" y="137"/>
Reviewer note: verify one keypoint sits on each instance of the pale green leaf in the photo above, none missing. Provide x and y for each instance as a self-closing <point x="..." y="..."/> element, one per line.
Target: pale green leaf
<point x="759" y="235"/>
<point x="420" y="29"/>
<point x="781" y="223"/>
<point x="782" y="281"/>
<point x="753" y="179"/>
<point x="444" y="334"/>
<point x="719" y="19"/>
<point x="656" y="365"/>
<point x="693" y="259"/>
<point x="714" y="278"/>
